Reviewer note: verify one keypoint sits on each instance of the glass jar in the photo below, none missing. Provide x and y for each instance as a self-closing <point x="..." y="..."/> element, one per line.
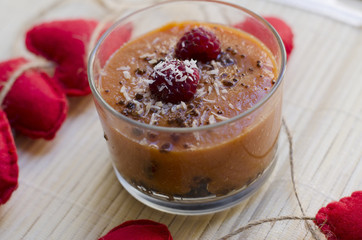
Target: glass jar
<point x="222" y="163"/>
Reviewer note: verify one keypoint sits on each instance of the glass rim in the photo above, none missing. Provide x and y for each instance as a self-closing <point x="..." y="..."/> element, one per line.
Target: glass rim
<point x="259" y="104"/>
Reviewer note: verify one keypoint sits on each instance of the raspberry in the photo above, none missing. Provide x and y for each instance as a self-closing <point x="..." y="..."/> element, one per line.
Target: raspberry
<point x="174" y="80"/>
<point x="198" y="44"/>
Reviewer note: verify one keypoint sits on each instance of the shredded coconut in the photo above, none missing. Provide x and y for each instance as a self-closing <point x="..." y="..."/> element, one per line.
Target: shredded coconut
<point x="155" y="40"/>
<point x="209" y="100"/>
<point x="125" y="93"/>
<point x="184" y="105"/>
<point x="216" y="86"/>
<point x="152" y="61"/>
<point x="212" y="119"/>
<point x="224" y="91"/>
<point x="153" y="118"/>
<point x="123" y="68"/>
<point x="222" y="118"/>
<point x="213" y="72"/>
<point x="127" y="75"/>
<point x="148" y="55"/>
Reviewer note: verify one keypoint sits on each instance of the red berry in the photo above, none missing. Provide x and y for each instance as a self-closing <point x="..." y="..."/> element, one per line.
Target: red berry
<point x="198" y="44"/>
<point x="174" y="80"/>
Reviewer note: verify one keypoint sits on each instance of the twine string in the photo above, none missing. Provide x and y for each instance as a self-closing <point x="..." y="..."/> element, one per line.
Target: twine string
<point x="266" y="220"/>
<point x="283" y="218"/>
<point x="291" y="162"/>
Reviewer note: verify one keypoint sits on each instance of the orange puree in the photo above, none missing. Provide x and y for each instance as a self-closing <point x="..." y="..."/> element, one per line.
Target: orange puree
<point x="200" y="163"/>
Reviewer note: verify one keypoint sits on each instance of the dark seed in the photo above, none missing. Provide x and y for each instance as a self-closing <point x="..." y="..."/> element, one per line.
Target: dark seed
<point x="138" y="96"/>
<point x="130" y="105"/>
<point x="120" y="83"/>
<point x="165" y="148"/>
<point x="153" y="110"/>
<point x="105" y="136"/>
<point x="251" y="69"/>
<point x="235" y="80"/>
<point x="273" y="82"/>
<point x="220" y="112"/>
<point x="121" y="102"/>
<point x="107" y="90"/>
<point x="227" y="62"/>
<point x="242" y="56"/>
<point x="227" y="83"/>
<point x="180" y="122"/>
<point x="258" y="64"/>
<point x="140" y="71"/>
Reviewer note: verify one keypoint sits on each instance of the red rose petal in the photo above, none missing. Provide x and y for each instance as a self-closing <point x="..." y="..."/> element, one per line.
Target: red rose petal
<point x="114" y="41"/>
<point x="35" y="106"/>
<point x="9" y="170"/>
<point x="139" y="230"/>
<point x="285" y="32"/>
<point x="255" y="28"/>
<point x="342" y="220"/>
<point x="66" y="43"/>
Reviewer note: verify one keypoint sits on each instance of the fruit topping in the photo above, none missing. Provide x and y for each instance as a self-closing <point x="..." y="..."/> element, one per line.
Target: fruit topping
<point x="198" y="44"/>
<point x="174" y="80"/>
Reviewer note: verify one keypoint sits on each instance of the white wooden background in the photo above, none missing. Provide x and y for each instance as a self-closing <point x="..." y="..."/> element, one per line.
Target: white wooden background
<point x="67" y="188"/>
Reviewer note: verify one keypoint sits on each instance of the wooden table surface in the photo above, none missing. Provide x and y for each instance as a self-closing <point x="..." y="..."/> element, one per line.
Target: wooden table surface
<point x="67" y="187"/>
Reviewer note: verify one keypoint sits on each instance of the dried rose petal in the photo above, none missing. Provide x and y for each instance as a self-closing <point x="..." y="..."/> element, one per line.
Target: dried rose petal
<point x="255" y="28"/>
<point x="35" y="106"/>
<point x="9" y="170"/>
<point x="139" y="230"/>
<point x="65" y="42"/>
<point x="342" y="220"/>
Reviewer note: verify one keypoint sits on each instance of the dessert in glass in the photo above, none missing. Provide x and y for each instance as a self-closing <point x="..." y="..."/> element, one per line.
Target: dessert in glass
<point x="190" y="105"/>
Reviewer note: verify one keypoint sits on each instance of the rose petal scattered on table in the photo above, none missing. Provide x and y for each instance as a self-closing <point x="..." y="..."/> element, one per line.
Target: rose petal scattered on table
<point x="35" y="106"/>
<point x="8" y="161"/>
<point x="65" y="42"/>
<point x="115" y="40"/>
<point x="139" y="230"/>
<point x="284" y="30"/>
<point x="342" y="220"/>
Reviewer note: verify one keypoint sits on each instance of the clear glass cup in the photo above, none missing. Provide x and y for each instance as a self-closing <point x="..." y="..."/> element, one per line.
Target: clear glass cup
<point x="227" y="161"/>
